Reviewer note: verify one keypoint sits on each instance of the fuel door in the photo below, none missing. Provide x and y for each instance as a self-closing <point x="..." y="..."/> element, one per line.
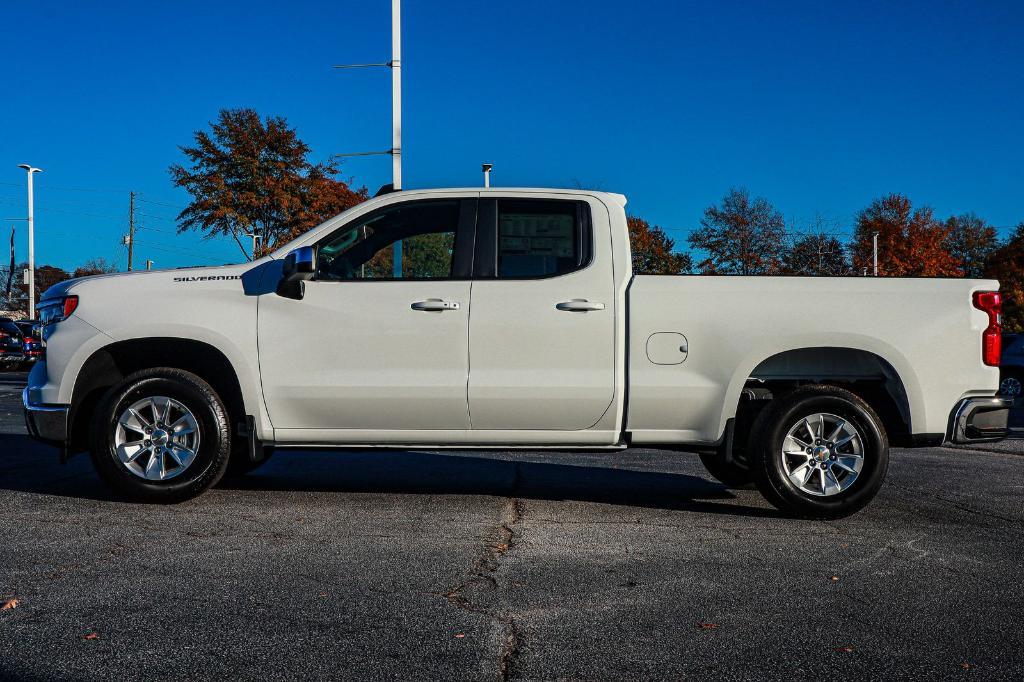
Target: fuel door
<point x="667" y="348"/>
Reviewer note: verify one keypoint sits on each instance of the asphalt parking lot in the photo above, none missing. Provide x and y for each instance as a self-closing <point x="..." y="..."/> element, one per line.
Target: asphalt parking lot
<point x="460" y="565"/>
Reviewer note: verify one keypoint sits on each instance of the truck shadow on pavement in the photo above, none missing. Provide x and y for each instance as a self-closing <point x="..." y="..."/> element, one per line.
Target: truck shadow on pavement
<point x="581" y="478"/>
<point x="28" y="467"/>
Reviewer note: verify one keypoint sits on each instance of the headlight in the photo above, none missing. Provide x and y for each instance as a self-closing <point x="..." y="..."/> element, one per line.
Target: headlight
<point x="53" y="311"/>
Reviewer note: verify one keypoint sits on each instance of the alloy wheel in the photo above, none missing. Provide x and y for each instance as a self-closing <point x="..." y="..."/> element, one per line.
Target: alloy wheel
<point x="823" y="454"/>
<point x="156" y="438"/>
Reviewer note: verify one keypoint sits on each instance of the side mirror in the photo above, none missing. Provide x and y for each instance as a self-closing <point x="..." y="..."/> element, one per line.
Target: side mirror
<point x="299" y="266"/>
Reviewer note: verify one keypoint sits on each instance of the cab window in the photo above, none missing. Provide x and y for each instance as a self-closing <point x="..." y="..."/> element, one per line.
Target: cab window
<point x="425" y="235"/>
<point x="533" y="239"/>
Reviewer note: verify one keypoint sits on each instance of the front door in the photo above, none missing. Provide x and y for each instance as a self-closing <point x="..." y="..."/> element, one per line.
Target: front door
<point x="542" y="333"/>
<point x="379" y="341"/>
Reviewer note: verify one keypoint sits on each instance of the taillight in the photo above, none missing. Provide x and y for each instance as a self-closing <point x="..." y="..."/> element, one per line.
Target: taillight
<point x="55" y="310"/>
<point x="990" y="302"/>
<point x="71" y="302"/>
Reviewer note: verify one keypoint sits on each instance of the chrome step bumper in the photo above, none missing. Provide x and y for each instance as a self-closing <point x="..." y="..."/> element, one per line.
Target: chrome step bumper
<point x="981" y="419"/>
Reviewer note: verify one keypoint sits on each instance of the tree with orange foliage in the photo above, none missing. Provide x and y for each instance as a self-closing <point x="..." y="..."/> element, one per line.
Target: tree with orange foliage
<point x="249" y="175"/>
<point x="654" y="251"/>
<point x="911" y="243"/>
<point x="1007" y="265"/>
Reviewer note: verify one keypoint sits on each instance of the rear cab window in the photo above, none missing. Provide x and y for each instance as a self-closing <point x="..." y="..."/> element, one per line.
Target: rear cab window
<point x="532" y="238"/>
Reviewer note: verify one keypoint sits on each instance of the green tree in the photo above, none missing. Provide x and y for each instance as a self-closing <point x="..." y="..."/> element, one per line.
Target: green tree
<point x="970" y="241"/>
<point x="654" y="251"/>
<point x="253" y="175"/>
<point x="741" y="236"/>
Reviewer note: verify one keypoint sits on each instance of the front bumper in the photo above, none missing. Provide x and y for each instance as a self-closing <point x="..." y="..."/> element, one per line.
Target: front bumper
<point x="46" y="423"/>
<point x="981" y="419"/>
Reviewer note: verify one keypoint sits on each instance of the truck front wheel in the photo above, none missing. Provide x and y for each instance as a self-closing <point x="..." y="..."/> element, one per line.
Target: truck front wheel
<point x="823" y="454"/>
<point x="161" y="435"/>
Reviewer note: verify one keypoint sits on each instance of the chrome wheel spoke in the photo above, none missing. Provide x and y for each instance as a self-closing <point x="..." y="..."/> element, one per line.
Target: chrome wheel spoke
<point x="843" y="441"/>
<point x="129" y="452"/>
<point x="843" y="463"/>
<point x="184" y="425"/>
<point x="133" y="420"/>
<point x="802" y="474"/>
<point x="829" y="480"/>
<point x="155" y="466"/>
<point x="810" y="429"/>
<point x="182" y="455"/>
<point x="161" y="409"/>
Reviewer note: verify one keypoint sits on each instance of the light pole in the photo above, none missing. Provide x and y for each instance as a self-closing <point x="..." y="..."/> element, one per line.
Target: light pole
<point x="874" y="252"/>
<point x="396" y="116"/>
<point x="487" y="173"/>
<point x="31" y="242"/>
<point x="255" y="241"/>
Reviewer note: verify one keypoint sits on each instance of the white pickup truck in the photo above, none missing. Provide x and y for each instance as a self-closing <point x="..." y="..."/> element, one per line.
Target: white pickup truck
<point x="510" y="318"/>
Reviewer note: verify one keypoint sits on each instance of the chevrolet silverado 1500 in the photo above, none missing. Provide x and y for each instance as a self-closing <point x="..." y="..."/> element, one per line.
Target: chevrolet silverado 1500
<point x="510" y="318"/>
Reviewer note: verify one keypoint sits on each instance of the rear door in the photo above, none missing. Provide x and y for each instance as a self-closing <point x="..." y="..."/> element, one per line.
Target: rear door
<point x="542" y="332"/>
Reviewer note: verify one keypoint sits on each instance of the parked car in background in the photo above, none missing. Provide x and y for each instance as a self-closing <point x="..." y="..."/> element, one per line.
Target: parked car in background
<point x="1011" y="365"/>
<point x="33" y="342"/>
<point x="12" y="344"/>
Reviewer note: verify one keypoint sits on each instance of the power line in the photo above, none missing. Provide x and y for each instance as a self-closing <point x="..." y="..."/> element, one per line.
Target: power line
<point x="160" y="203"/>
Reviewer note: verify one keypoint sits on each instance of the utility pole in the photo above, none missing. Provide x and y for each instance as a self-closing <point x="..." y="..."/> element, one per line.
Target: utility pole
<point x="31" y="242"/>
<point x="874" y="248"/>
<point x="10" y="272"/>
<point x="131" y="228"/>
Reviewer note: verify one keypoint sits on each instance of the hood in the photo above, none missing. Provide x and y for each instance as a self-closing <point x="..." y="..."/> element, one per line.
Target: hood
<point x="147" y="278"/>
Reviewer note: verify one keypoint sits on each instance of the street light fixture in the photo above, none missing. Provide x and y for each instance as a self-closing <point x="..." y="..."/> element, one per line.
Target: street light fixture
<point x="30" y="170"/>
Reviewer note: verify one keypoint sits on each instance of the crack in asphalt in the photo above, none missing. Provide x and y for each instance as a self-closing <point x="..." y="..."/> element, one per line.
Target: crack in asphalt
<point x="482" y="576"/>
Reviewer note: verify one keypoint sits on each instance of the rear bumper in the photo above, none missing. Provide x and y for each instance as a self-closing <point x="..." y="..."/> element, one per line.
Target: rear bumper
<point x="980" y="419"/>
<point x="46" y="423"/>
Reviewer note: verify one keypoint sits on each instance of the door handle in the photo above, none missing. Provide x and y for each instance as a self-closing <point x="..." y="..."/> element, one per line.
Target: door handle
<point x="579" y="305"/>
<point x="435" y="305"/>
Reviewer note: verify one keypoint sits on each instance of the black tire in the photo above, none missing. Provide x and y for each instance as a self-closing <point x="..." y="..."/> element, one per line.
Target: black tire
<point x="211" y="459"/>
<point x="787" y="411"/>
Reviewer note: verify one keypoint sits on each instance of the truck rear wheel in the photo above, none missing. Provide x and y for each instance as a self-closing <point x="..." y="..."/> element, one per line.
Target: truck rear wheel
<point x="823" y="454"/>
<point x="161" y="435"/>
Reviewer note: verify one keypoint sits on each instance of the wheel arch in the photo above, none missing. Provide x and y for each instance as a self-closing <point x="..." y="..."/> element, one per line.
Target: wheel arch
<point x="110" y="364"/>
<point x="864" y="372"/>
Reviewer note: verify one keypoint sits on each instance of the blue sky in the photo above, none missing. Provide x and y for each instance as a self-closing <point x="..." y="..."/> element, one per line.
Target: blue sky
<point x="820" y="107"/>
